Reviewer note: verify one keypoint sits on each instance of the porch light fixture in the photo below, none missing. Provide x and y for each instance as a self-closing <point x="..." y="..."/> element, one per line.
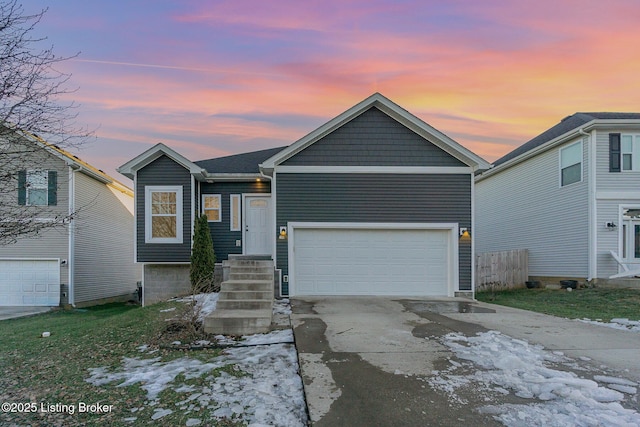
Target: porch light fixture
<point x="464" y="233"/>
<point x="283" y="233"/>
<point x="610" y="225"/>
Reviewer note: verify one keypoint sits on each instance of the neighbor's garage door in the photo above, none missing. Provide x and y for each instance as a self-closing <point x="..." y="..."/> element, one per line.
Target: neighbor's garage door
<point x="371" y="262"/>
<point x="29" y="282"/>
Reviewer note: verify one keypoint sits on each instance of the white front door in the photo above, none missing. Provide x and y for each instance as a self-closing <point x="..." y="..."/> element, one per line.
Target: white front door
<point x="258" y="236"/>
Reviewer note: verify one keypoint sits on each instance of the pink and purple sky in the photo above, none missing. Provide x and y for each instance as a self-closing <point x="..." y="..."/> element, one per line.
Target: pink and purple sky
<point x="213" y="78"/>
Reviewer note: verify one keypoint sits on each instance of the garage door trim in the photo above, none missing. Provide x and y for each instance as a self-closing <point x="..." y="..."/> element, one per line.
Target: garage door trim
<point x="453" y="278"/>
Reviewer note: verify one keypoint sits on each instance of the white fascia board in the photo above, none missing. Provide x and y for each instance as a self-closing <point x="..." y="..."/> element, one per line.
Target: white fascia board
<point x="566" y="137"/>
<point x="156" y="152"/>
<point x="233" y="177"/>
<point x="377" y="169"/>
<point x="603" y="124"/>
<point x="393" y="110"/>
<point x="378" y="225"/>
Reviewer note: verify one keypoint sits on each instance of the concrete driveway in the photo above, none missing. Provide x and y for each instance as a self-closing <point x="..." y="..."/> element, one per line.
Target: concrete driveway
<point x="22" y="311"/>
<point x="367" y="360"/>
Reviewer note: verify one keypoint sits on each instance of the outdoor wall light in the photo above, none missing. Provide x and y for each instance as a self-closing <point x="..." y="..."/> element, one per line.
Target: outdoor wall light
<point x="610" y="225"/>
<point x="283" y="233"/>
<point x="464" y="232"/>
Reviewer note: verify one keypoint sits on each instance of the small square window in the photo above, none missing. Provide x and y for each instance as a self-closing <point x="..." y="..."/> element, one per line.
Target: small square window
<point x="212" y="207"/>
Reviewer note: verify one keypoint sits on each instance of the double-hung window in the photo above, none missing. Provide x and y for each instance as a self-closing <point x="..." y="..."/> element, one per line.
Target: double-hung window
<point x="37" y="188"/>
<point x="630" y="147"/>
<point x="163" y="214"/>
<point x="571" y="164"/>
<point x="212" y="207"/>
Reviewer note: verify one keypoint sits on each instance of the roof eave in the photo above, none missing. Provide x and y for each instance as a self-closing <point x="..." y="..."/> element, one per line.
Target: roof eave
<point x="232" y="177"/>
<point x="132" y="166"/>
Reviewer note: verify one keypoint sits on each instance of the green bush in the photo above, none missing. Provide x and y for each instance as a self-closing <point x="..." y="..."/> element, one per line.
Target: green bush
<point x="203" y="257"/>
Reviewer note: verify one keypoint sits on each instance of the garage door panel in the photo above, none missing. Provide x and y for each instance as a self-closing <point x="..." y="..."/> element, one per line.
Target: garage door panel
<point x="366" y="261"/>
<point x="29" y="282"/>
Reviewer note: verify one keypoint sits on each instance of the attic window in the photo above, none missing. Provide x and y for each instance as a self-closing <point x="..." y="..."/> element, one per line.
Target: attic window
<point x="571" y="164"/>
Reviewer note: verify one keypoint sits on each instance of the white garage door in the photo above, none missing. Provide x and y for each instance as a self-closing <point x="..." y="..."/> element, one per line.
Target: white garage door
<point x="371" y="262"/>
<point x="29" y="282"/>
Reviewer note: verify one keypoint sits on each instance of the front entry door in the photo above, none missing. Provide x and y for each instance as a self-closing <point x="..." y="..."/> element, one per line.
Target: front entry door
<point x="257" y="225"/>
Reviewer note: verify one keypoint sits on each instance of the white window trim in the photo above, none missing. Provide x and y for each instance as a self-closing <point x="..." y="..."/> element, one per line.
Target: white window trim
<point x="219" y="197"/>
<point x="581" y="163"/>
<point x="46" y="186"/>
<point x="634" y="168"/>
<point x="147" y="213"/>
<point x="235" y="202"/>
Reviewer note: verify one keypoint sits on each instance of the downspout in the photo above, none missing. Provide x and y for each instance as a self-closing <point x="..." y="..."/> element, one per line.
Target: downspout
<point x="592" y="208"/>
<point x="72" y="237"/>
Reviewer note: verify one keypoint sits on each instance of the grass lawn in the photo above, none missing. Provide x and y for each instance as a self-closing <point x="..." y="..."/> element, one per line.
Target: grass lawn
<point x="50" y="371"/>
<point x="592" y="303"/>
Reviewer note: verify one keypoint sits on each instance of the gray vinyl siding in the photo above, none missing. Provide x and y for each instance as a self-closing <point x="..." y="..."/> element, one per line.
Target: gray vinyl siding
<point x="224" y="240"/>
<point x="607" y="208"/>
<point x="53" y="243"/>
<point x="104" y="261"/>
<point x="524" y="207"/>
<point x="613" y="181"/>
<point x="375" y="198"/>
<point x="373" y="139"/>
<point x="163" y="171"/>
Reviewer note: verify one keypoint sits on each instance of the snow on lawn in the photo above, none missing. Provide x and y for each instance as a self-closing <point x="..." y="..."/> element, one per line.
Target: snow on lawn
<point x="622" y="324"/>
<point x="264" y="389"/>
<point x="514" y="366"/>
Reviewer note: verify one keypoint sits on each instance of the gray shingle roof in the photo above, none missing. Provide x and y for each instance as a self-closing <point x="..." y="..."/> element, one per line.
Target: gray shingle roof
<point x="567" y="124"/>
<point x="238" y="163"/>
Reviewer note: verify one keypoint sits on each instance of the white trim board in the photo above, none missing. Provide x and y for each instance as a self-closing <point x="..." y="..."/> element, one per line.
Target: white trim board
<point x="453" y="228"/>
<point x="377" y="169"/>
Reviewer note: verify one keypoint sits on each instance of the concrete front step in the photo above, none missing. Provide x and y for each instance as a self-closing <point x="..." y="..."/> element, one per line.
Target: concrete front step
<point x="238" y="322"/>
<point x="240" y="295"/>
<point x="251" y="263"/>
<point x="247" y="285"/>
<point x="244" y="304"/>
<point x="250" y="276"/>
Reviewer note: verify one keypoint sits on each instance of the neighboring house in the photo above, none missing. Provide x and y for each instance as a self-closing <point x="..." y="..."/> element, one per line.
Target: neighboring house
<point x="370" y="203"/>
<point x="87" y="260"/>
<point x="571" y="196"/>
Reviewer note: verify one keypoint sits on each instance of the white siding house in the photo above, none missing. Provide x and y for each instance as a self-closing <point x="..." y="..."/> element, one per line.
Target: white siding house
<point x="89" y="259"/>
<point x="562" y="197"/>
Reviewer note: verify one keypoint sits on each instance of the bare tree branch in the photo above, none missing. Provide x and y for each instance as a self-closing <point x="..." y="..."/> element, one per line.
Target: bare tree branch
<point x="31" y="112"/>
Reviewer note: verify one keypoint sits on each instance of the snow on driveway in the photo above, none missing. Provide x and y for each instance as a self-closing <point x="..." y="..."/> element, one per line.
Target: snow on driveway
<point x="503" y="365"/>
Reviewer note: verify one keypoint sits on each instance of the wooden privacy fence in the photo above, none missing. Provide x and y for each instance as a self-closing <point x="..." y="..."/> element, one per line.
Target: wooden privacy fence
<point x="502" y="270"/>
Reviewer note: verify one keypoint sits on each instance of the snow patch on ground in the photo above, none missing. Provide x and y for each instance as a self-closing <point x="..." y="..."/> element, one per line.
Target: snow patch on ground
<point x="621" y="324"/>
<point x="205" y="303"/>
<point x="515" y="366"/>
<point x="267" y="389"/>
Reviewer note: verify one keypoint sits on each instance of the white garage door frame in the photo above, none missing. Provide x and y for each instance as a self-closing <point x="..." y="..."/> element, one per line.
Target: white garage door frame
<point x="452" y="228"/>
<point x="34" y="294"/>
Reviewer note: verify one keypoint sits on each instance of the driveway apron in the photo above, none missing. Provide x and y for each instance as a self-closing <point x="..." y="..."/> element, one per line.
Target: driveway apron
<point x="367" y="360"/>
<point x="364" y="360"/>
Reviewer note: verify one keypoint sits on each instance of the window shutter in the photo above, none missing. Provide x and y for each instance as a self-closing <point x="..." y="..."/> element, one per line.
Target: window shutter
<point x="52" y="182"/>
<point x="22" y="188"/>
<point x="614" y="152"/>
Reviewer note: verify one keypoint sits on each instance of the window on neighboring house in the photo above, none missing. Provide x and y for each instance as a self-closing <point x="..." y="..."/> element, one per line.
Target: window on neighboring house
<point x="234" y="201"/>
<point x="163" y="214"/>
<point x="37" y="188"/>
<point x="630" y="147"/>
<point x="624" y="152"/>
<point x="212" y="207"/>
<point x="571" y="164"/>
